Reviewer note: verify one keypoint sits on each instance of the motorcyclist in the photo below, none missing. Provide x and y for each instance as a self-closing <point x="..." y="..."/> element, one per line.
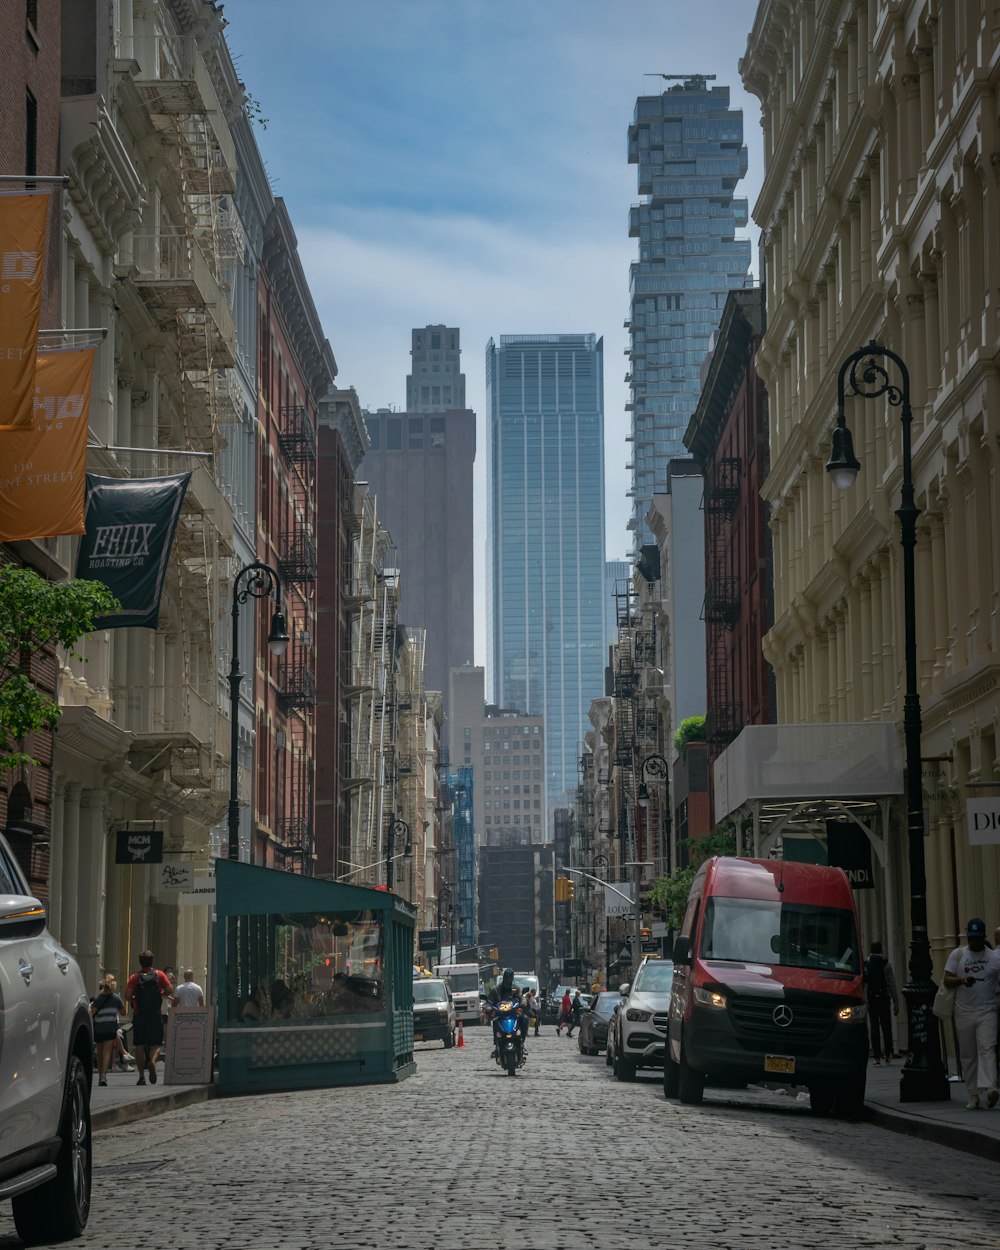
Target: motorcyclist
<point x="507" y="992"/>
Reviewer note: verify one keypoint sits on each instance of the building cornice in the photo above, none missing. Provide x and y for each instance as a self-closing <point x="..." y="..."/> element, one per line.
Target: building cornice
<point x="105" y="185"/>
<point x="295" y="303"/>
<point x="340" y="410"/>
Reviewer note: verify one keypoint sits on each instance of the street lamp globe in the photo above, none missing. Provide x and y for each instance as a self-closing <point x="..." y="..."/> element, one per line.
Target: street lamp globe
<point x="277" y="639"/>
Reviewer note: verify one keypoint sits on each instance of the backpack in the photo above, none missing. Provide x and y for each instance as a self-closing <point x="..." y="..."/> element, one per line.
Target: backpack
<point x="875" y="970"/>
<point x="147" y="994"/>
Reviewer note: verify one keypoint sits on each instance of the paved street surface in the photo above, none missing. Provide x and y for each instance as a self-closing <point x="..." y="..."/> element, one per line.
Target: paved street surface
<point x="462" y="1157"/>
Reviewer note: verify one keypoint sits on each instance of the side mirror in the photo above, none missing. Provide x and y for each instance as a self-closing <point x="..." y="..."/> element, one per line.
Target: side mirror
<point x="682" y="951"/>
<point x="623" y="988"/>
<point x="21" y="917"/>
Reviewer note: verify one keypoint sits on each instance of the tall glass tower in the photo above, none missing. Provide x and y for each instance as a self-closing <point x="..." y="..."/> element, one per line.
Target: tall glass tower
<point x="545" y="536"/>
<point x="688" y="145"/>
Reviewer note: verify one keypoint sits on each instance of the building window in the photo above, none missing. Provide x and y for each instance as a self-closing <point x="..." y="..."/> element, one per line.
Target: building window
<point x="393" y="434"/>
<point x="435" y="342"/>
<point x="374" y="429"/>
<point x="415" y="427"/>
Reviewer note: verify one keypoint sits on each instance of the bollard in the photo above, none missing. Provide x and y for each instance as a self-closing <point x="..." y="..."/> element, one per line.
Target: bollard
<point x="461" y="1035"/>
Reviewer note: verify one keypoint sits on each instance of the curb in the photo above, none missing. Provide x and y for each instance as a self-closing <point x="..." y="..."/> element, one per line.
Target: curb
<point x="982" y="1145"/>
<point x="131" y="1112"/>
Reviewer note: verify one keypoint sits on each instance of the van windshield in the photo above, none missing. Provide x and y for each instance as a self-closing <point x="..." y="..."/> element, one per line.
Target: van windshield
<point x="793" y="935"/>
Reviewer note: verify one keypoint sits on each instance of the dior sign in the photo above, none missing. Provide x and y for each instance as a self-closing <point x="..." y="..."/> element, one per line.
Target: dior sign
<point x="983" y="819"/>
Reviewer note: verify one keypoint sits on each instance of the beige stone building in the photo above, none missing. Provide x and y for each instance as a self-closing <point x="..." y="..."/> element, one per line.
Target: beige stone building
<point x="880" y="208"/>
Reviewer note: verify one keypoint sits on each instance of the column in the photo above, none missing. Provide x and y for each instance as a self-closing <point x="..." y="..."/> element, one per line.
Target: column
<point x="92" y="884"/>
<point x="56" y="857"/>
<point x="867" y="700"/>
<point x="70" y="865"/>
<point x="891" y="648"/>
<point x="939" y="592"/>
<point x="932" y="341"/>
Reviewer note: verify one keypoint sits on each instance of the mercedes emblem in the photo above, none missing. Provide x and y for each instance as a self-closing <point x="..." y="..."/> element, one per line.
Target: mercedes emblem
<point x="782" y="1016"/>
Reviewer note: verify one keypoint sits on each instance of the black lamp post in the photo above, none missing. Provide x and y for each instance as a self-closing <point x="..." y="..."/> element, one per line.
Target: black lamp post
<point x="253" y="581"/>
<point x="396" y="827"/>
<point x="923" y="1077"/>
<point x="656" y="766"/>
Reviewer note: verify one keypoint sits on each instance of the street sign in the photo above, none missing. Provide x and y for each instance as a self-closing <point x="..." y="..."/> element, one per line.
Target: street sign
<point x="427" y="940"/>
<point x="572" y="967"/>
<point x="625" y="955"/>
<point x="659" y="929"/>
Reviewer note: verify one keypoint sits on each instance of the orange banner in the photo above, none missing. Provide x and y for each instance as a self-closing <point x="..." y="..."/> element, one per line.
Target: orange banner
<point x="23" y="222"/>
<point x="43" y="471"/>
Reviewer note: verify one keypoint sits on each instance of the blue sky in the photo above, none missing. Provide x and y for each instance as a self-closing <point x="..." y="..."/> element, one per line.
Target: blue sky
<point x="465" y="162"/>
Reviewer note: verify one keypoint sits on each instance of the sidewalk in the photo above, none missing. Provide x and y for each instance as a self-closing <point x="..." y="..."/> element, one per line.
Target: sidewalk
<point x="122" y="1101"/>
<point x="947" y="1123"/>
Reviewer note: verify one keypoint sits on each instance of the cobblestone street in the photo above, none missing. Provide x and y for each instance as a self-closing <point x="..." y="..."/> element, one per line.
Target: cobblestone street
<point x="463" y="1156"/>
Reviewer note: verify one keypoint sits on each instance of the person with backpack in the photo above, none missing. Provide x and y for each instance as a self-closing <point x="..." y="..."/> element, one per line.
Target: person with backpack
<point x="880" y="986"/>
<point x="145" y="992"/>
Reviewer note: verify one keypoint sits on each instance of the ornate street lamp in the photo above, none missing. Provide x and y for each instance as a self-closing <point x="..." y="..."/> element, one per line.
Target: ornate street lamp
<point x="253" y="581"/>
<point x="923" y="1076"/>
<point x="396" y="827"/>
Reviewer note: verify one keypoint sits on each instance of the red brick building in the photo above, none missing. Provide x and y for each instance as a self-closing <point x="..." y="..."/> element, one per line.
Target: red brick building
<point x="30" y="70"/>
<point x="728" y="436"/>
<point x="296" y="370"/>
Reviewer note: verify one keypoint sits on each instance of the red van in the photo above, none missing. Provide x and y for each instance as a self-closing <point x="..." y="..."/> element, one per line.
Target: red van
<point x="768" y="984"/>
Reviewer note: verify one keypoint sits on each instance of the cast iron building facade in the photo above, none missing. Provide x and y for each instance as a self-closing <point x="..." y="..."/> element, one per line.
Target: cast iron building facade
<point x="688" y="146"/>
<point x="545" y="535"/>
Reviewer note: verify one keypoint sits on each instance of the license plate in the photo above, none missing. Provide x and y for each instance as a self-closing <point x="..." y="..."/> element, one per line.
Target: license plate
<point x="779" y="1063"/>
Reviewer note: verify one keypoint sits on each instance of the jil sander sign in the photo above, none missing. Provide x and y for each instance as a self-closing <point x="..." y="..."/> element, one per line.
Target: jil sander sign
<point x="983" y="817"/>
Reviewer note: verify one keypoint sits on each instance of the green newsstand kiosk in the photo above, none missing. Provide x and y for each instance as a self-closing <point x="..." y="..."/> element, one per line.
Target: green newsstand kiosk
<point x="315" y="982"/>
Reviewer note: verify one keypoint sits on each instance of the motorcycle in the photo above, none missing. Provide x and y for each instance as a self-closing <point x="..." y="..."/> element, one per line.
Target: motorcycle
<point x="510" y="1044"/>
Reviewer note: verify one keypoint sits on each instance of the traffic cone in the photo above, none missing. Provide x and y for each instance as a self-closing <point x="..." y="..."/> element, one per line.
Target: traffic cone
<point x="461" y="1035"/>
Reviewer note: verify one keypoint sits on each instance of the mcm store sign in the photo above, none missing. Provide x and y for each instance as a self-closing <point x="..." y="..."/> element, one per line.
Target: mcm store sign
<point x="983" y="819"/>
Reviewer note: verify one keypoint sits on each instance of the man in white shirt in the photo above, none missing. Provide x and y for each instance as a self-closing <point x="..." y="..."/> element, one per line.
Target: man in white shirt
<point x="973" y="972"/>
<point x="189" y="993"/>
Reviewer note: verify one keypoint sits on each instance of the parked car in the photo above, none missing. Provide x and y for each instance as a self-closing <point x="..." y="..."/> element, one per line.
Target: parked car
<point x="641" y="1020"/>
<point x="433" y="1012"/>
<point x="593" y="1035"/>
<point x="46" y="1068"/>
<point x="769" y="984"/>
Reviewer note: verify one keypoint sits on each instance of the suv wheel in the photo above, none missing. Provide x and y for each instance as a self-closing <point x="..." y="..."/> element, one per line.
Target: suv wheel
<point x="690" y="1084"/>
<point x="58" y="1210"/>
<point x="624" y="1067"/>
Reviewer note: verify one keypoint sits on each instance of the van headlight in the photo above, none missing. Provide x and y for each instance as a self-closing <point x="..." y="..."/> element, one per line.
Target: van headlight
<point x="858" y="1012"/>
<point x="709" y="998"/>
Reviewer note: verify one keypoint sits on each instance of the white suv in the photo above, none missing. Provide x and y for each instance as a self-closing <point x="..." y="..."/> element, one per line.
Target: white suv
<point x="640" y="1023"/>
<point x="46" y="1067"/>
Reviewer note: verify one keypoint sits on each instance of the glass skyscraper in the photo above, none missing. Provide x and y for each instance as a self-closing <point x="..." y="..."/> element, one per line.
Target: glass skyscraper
<point x="688" y="145"/>
<point x="545" y="536"/>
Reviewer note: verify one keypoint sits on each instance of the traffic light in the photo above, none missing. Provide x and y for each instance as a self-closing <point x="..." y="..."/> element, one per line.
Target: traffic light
<point x="562" y="889"/>
<point x="495" y="953"/>
<point x="570" y="889"/>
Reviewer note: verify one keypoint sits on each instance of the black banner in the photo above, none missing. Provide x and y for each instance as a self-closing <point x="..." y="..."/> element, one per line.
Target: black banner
<point x="135" y="846"/>
<point x="847" y="847"/>
<point x="130" y="530"/>
<point x="427" y="940"/>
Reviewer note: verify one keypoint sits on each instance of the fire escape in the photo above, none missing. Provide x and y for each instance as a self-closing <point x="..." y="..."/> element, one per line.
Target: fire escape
<point x="721" y="610"/>
<point x="296" y="673"/>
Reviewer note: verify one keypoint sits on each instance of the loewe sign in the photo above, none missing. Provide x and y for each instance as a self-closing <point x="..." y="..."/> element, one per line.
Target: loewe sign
<point x="983" y="816"/>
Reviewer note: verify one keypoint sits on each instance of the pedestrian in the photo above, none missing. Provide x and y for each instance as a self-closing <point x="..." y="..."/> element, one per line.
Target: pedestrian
<point x="880" y="985"/>
<point x="166" y="1003"/>
<point x="575" y="1011"/>
<point x="565" y="1012"/>
<point x="145" y="991"/>
<point x="974" y="972"/>
<point x="535" y="1004"/>
<point x="189" y="993"/>
<point x="105" y="1009"/>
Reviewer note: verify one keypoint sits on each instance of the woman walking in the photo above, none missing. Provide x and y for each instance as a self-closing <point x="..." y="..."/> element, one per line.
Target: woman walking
<point x="105" y="1009"/>
<point x="565" y="1013"/>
